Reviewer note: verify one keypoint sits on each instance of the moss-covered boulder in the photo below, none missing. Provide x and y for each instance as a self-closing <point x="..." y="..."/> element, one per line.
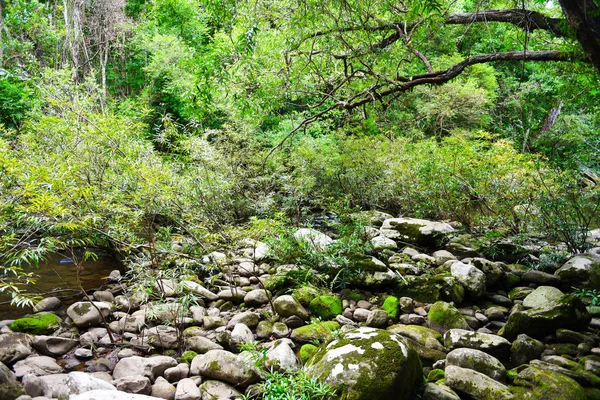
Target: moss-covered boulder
<point x="568" y="312"/>
<point x="36" y="324"/>
<point x="305" y="294"/>
<point x="368" y="363"/>
<point x="429" y="289"/>
<point x="326" y="307"/>
<point x="320" y="331"/>
<point x="475" y="384"/>
<point x="534" y="383"/>
<point x="580" y="271"/>
<point x="9" y="387"/>
<point x="391" y="306"/>
<point x="307" y="351"/>
<point x="421" y="334"/>
<point x="418" y="231"/>
<point x="443" y="316"/>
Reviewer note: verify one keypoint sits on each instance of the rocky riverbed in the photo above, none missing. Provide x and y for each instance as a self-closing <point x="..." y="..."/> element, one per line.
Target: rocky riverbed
<point x="427" y="318"/>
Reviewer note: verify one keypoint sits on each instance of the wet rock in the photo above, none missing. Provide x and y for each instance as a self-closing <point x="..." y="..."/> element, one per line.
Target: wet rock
<point x="475" y="384"/>
<point x="361" y="361"/>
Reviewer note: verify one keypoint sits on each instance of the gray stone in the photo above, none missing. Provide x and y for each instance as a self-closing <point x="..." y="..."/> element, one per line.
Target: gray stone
<point x="53" y="346"/>
<point x="475" y="384"/>
<point x="84" y="314"/>
<point x="110" y="395"/>
<point x="150" y="367"/>
<point x="64" y="385"/>
<point x="134" y="384"/>
<point x="216" y="390"/>
<point x="471" y="278"/>
<point x="163" y="389"/>
<point x="417" y="231"/>
<point x="281" y="357"/>
<point x="239" y="335"/>
<point x="478" y="361"/>
<point x="580" y="271"/>
<point x="47" y="304"/>
<point x="14" y="347"/>
<point x="524" y="349"/>
<point x="103" y="295"/>
<point x="225" y="366"/>
<point x="201" y="344"/>
<point x="187" y="390"/>
<point x="248" y="318"/>
<point x="37" y="365"/>
<point x="199" y="290"/>
<point x="177" y="373"/>
<point x="540" y="278"/>
<point x="287" y="306"/>
<point x="542" y="296"/>
<point x="377" y="319"/>
<point x="9" y="387"/>
<point x="314" y="239"/>
<point x="383" y="243"/>
<point x="434" y="391"/>
<point x="256" y="298"/>
<point x="488" y="343"/>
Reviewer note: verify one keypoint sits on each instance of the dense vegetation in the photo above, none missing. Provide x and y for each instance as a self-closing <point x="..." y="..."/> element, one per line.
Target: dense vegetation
<point x="131" y="124"/>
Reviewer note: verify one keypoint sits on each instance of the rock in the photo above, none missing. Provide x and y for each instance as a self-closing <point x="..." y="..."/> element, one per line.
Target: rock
<point x="420" y="334"/>
<point x="486" y="342"/>
<point x="382" y="243"/>
<point x="540" y="278"/>
<point x="84" y="354"/>
<point x="36" y="324"/>
<point x="492" y="270"/>
<point x="161" y="336"/>
<point x="418" y="231"/>
<point x="538" y="383"/>
<point x="103" y="295"/>
<point x="434" y="391"/>
<point x="150" y="367"/>
<point x="580" y="271"/>
<point x="256" y="298"/>
<point x="287" y="306"/>
<point x="567" y="313"/>
<point x="63" y="385"/>
<point x="371" y="363"/>
<point x="568" y="368"/>
<point x="10" y="388"/>
<point x="361" y="314"/>
<point x="110" y="395"/>
<point x="239" y="335"/>
<point x="216" y="390"/>
<point x="37" y="365"/>
<point x="201" y="345"/>
<point x="475" y="384"/>
<point x="307" y="351"/>
<point x="53" y="346"/>
<point x="236" y="295"/>
<point x="318" y="331"/>
<point x="248" y="318"/>
<point x="374" y="280"/>
<point x="211" y="323"/>
<point x="478" y="361"/>
<point x="326" y="307"/>
<point x="280" y="357"/>
<point x="542" y="296"/>
<point x="314" y="239"/>
<point x="14" y="347"/>
<point x="225" y="366"/>
<point x="134" y="384"/>
<point x="524" y="349"/>
<point x="199" y="290"/>
<point x="187" y="390"/>
<point x="280" y="330"/>
<point x="377" y="319"/>
<point x="391" y="306"/>
<point x="84" y="314"/>
<point x="47" y="304"/>
<point x="429" y="289"/>
<point x="441" y="256"/>
<point x="177" y="373"/>
<point x="443" y="316"/>
<point x="471" y="278"/>
<point x="519" y="293"/>
<point x="163" y="389"/>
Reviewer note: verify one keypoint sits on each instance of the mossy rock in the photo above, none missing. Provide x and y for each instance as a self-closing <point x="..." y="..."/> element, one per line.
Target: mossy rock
<point x="188" y="356"/>
<point x="305" y="294"/>
<point x="279" y="282"/>
<point x="36" y="324"/>
<point x="307" y="351"/>
<point x="435" y="375"/>
<point x="368" y="363"/>
<point x="429" y="289"/>
<point x="542" y="384"/>
<point x="391" y="306"/>
<point x="444" y="316"/>
<point x="320" y="331"/>
<point x="326" y="307"/>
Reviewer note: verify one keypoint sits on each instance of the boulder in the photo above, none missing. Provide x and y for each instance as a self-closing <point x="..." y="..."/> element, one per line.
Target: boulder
<point x="443" y="316"/>
<point x="162" y="336"/>
<point x="53" y="346"/>
<point x="37" y="365"/>
<point x="150" y="367"/>
<point x="471" y="278"/>
<point x="248" y="318"/>
<point x="217" y="390"/>
<point x="199" y="290"/>
<point x="580" y="271"/>
<point x="110" y="395"/>
<point x="493" y="271"/>
<point x="434" y="391"/>
<point x="64" y="385"/>
<point x="239" y="335"/>
<point x="47" y="304"/>
<point x="14" y="347"/>
<point x="313" y="238"/>
<point x="418" y="231"/>
<point x="201" y="344"/>
<point x="377" y="319"/>
<point x="486" y="342"/>
<point x="287" y="306"/>
<point x="568" y="312"/>
<point x="429" y="289"/>
<point x="542" y="296"/>
<point x="36" y="324"/>
<point x="280" y="357"/>
<point x="326" y="307"/>
<point x="134" y="384"/>
<point x="391" y="306"/>
<point x="10" y="388"/>
<point x="524" y="349"/>
<point x="84" y="314"/>
<point x="383" y="243"/>
<point x="225" y="366"/>
<point x="478" y="361"/>
<point x="420" y="334"/>
<point x="539" y="383"/>
<point x="256" y="298"/>
<point x="370" y="364"/>
<point x="320" y="331"/>
<point x="475" y="384"/>
<point x="187" y="390"/>
<point x="162" y="389"/>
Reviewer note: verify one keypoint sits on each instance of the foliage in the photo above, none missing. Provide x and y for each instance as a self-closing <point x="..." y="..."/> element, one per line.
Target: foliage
<point x="592" y="294"/>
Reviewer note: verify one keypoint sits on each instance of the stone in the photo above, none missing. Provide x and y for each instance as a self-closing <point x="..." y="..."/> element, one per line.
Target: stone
<point x="313" y="238"/>
<point x="520" y="293"/>
<point x="524" y="349"/>
<point x="64" y="385"/>
<point x="225" y="366"/>
<point x="420" y="334"/>
<point x="377" y="319"/>
<point x="211" y="323"/>
<point x="540" y="278"/>
<point x="568" y="313"/>
<point x="177" y="373"/>
<point x="110" y="395"/>
<point x="361" y="314"/>
<point x="280" y="330"/>
<point x="371" y="364"/>
<point x="471" y="278"/>
<point x="84" y="314"/>
<point x="53" y="346"/>
<point x="199" y="290"/>
<point x="374" y="280"/>
<point x="14" y="347"/>
<point x="287" y="306"/>
<point x="162" y="336"/>
<point x="429" y="289"/>
<point x="235" y="295"/>
<point x="10" y="388"/>
<point x="382" y="243"/>
<point x="163" y="389"/>
<point x="216" y="390"/>
<point x="36" y="324"/>
<point x="134" y="384"/>
<point x="239" y="335"/>
<point x="443" y="316"/>
<point x="486" y="342"/>
<point x="434" y="391"/>
<point x="37" y="365"/>
<point x="248" y="318"/>
<point x="264" y="329"/>
<point x="307" y="351"/>
<point x="492" y="270"/>
<point x="280" y="357"/>
<point x="320" y="331"/>
<point x="47" y="304"/>
<point x="103" y="295"/>
<point x="418" y="231"/>
<point x="475" y="384"/>
<point x="187" y="390"/>
<point x="542" y="296"/>
<point x="150" y="367"/>
<point x="539" y="383"/>
<point x="326" y="307"/>
<point x="441" y="256"/>
<point x="580" y="271"/>
<point x="478" y="361"/>
<point x="201" y="344"/>
<point x="84" y="354"/>
<point x="256" y="298"/>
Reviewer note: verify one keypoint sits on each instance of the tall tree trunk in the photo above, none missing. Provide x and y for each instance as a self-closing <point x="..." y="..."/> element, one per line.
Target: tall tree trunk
<point x="584" y="17"/>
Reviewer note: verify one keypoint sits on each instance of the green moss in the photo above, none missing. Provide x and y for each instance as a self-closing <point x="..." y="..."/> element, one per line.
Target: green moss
<point x="188" y="356"/>
<point x="538" y="383"/>
<point x="307" y="351"/>
<point x="354" y="296"/>
<point x="37" y="324"/>
<point x="326" y="307"/>
<point x="391" y="306"/>
<point x="318" y="332"/>
<point x="305" y="294"/>
<point x="279" y="282"/>
<point x="429" y="289"/>
<point x="435" y="375"/>
<point x="446" y="316"/>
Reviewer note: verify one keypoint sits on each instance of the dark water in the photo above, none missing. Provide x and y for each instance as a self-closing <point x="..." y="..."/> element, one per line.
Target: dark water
<point x="59" y="273"/>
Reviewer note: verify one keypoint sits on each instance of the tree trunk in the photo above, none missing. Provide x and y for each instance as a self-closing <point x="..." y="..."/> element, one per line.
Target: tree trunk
<point x="584" y="18"/>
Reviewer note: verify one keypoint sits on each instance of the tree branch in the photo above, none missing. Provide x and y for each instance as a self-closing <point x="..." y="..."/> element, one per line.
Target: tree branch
<point x="524" y="19"/>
